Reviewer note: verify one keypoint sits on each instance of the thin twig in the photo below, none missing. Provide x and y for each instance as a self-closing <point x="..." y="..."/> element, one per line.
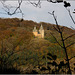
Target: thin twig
<point x="72" y="57"/>
<point x="38" y="4"/>
<point x="71" y="16"/>
<point x="56" y="40"/>
<point x="69" y="37"/>
<point x="70" y="45"/>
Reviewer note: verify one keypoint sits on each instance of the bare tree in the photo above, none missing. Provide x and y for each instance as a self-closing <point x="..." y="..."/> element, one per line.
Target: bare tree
<point x="37" y="3"/>
<point x="66" y="5"/>
<point x="59" y="30"/>
<point x="7" y="8"/>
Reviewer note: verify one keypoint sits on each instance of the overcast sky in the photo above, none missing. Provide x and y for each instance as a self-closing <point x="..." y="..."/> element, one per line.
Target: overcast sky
<point x="41" y="14"/>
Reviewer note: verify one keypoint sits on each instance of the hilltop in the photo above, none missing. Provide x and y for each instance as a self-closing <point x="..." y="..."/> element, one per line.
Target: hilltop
<point x="6" y="23"/>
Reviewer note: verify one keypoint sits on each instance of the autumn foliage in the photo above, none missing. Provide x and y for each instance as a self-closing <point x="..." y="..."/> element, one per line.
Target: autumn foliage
<point x="22" y="51"/>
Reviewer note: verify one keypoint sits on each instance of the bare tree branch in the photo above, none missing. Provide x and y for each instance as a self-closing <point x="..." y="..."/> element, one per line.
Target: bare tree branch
<point x="62" y="28"/>
<point x="7" y="9"/>
<point x="69" y="37"/>
<point x="38" y="4"/>
<point x="63" y="42"/>
<point x="56" y="40"/>
<point x="70" y="45"/>
<point x="72" y="28"/>
<point x="56" y="29"/>
<point x="71" y="15"/>
<point x="71" y="57"/>
<point x="55" y="21"/>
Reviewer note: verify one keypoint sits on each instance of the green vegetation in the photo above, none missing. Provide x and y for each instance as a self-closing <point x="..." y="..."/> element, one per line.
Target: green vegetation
<point x="23" y="53"/>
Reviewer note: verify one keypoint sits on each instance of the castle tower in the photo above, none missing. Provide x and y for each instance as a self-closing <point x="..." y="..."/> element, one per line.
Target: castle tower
<point x="41" y="30"/>
<point x="35" y="31"/>
<point x="40" y="33"/>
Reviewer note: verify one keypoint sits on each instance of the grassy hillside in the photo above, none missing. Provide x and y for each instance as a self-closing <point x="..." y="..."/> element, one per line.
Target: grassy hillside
<point x="20" y="50"/>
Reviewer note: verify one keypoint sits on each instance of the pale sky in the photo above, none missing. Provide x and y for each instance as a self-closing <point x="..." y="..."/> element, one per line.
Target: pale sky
<point x="41" y="14"/>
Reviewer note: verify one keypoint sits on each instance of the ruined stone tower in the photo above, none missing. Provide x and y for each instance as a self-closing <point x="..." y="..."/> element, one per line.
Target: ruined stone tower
<point x="40" y="33"/>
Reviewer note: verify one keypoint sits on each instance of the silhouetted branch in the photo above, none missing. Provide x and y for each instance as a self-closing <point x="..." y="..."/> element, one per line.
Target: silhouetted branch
<point x="71" y="15"/>
<point x="63" y="42"/>
<point x="55" y="21"/>
<point x="62" y="28"/>
<point x="8" y="11"/>
<point x="69" y="37"/>
<point x="55" y="28"/>
<point x="72" y="28"/>
<point x="70" y="45"/>
<point x="7" y="8"/>
<point x="56" y="40"/>
<point x="74" y="11"/>
<point x="38" y="4"/>
<point x="71" y="57"/>
<point x="66" y="5"/>
<point x="55" y="1"/>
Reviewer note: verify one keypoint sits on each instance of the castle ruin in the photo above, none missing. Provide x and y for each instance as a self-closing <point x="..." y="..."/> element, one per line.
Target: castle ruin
<point x="38" y="33"/>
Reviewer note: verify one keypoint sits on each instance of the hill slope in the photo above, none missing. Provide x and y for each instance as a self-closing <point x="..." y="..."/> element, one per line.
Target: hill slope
<point x="18" y="45"/>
